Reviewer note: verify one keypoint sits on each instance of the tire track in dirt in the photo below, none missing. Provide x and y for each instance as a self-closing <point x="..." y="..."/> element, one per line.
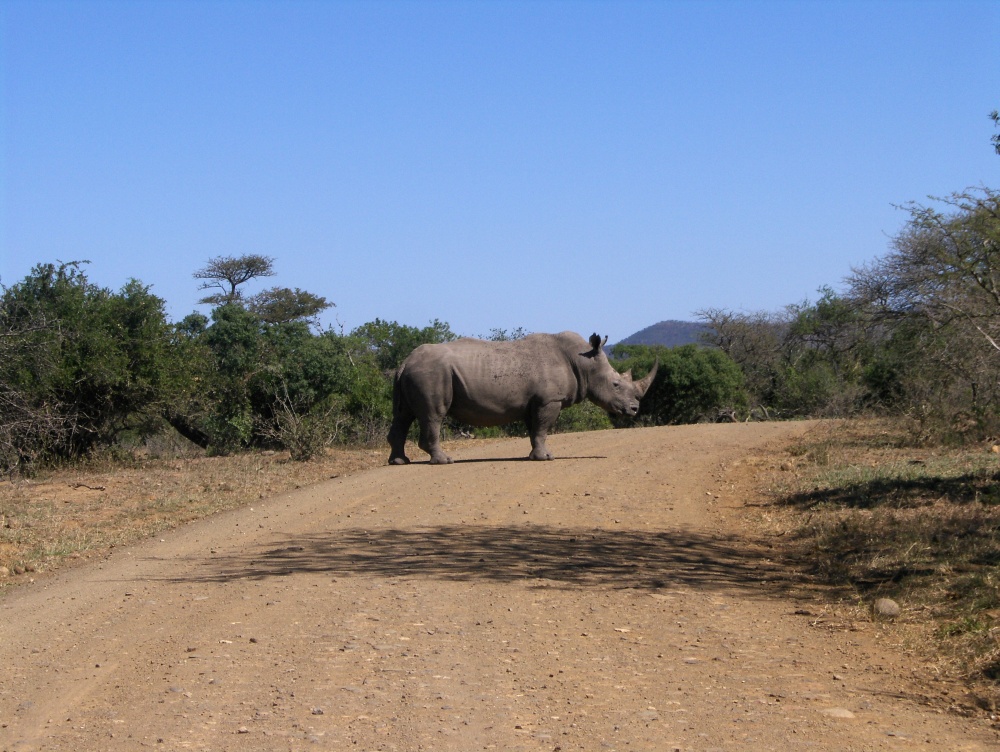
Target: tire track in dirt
<point x="600" y="601"/>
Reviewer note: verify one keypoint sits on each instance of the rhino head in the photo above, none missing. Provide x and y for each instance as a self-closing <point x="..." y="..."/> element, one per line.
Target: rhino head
<point x="615" y="392"/>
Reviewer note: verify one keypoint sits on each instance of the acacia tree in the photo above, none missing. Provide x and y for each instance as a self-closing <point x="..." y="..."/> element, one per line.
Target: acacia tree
<point x="937" y="295"/>
<point x="271" y="379"/>
<point x="227" y="273"/>
<point x="944" y="267"/>
<point x="276" y="305"/>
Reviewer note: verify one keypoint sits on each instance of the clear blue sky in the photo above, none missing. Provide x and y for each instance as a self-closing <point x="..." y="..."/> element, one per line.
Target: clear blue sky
<point x="595" y="166"/>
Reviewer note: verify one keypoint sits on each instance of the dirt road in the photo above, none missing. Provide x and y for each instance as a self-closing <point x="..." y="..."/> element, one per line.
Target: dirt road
<point x="603" y="601"/>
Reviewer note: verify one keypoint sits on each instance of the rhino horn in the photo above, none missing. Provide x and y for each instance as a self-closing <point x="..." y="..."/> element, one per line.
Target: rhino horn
<point x="644" y="383"/>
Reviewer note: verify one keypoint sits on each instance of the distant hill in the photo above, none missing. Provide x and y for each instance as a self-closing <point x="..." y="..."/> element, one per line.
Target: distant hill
<point x="668" y="334"/>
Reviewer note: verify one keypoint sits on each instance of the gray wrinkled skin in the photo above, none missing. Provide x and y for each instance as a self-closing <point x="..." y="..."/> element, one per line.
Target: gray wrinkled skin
<point x="493" y="383"/>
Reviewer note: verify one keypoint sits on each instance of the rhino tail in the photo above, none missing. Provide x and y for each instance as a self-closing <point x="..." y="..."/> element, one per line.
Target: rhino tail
<point x="400" y="407"/>
<point x="396" y="391"/>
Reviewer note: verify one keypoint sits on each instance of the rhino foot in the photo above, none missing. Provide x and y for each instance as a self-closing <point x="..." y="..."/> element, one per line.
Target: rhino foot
<point x="399" y="460"/>
<point x="441" y="459"/>
<point x="540" y="454"/>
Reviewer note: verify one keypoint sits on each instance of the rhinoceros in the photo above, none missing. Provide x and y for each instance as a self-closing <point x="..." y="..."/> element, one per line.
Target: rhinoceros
<point x="493" y="383"/>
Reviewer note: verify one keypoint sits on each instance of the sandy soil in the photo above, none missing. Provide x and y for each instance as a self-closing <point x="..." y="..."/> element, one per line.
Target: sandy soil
<point x="603" y="601"/>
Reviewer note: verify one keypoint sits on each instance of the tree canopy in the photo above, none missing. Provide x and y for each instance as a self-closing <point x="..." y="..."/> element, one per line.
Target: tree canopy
<point x="227" y="273"/>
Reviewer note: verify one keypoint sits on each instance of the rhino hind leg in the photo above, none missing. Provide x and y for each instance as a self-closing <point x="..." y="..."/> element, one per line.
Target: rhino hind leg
<point x="402" y="419"/>
<point x="430" y="441"/>
<point x="397" y="441"/>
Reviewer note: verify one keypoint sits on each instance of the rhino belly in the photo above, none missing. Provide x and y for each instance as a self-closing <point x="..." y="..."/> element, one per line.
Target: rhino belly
<point x="487" y="391"/>
<point x="485" y="413"/>
<point x="487" y="400"/>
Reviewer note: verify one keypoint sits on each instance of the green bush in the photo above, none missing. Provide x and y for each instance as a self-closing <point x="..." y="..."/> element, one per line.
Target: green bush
<point x="693" y="383"/>
<point x="85" y="361"/>
<point x="584" y="416"/>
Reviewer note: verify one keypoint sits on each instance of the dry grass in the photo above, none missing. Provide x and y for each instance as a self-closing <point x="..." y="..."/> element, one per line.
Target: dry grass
<point x="863" y="510"/>
<point x="77" y="512"/>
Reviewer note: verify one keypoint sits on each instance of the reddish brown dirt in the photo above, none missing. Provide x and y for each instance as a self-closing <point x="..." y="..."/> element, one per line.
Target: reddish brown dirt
<point x="608" y="600"/>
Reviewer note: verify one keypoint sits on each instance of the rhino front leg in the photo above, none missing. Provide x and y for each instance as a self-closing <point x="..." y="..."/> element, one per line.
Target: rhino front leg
<point x="430" y="441"/>
<point x="541" y="420"/>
